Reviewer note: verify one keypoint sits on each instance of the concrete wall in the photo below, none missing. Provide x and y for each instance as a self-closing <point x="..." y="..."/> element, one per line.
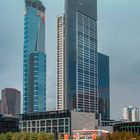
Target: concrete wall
<point x="80" y="121"/>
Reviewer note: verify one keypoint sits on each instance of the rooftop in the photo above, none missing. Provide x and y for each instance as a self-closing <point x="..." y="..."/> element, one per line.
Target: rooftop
<point x="36" y="4"/>
<point x="45" y="115"/>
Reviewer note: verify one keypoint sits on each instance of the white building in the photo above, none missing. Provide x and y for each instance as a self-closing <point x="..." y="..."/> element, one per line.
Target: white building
<point x="60" y="64"/>
<point x="130" y="113"/>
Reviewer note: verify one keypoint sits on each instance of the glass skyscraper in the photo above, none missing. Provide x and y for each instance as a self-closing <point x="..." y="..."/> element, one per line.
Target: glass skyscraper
<point x="104" y="86"/>
<point x="77" y="58"/>
<point x="34" y="62"/>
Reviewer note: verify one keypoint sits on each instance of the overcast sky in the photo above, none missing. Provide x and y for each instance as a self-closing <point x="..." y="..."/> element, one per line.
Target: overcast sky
<point x="118" y="37"/>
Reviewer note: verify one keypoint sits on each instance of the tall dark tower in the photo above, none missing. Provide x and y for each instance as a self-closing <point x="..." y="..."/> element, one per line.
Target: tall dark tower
<point x="77" y="58"/>
<point x="104" y="86"/>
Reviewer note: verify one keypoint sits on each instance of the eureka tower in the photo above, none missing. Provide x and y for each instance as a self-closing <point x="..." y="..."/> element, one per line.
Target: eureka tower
<point x="34" y="59"/>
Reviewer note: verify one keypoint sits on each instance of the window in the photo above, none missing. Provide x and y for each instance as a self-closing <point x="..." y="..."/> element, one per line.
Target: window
<point x="33" y="123"/>
<point x="54" y="122"/>
<point x="42" y="129"/>
<point x="66" y="122"/>
<point x="61" y="122"/>
<point x="48" y="130"/>
<point x="42" y="123"/>
<point x="61" y="129"/>
<point x="67" y="129"/>
<point x="54" y="129"/>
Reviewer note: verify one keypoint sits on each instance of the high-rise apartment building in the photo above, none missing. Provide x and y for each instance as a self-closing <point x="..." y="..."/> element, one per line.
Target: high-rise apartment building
<point x="130" y="113"/>
<point x="34" y="67"/>
<point x="60" y="63"/>
<point x="11" y="101"/>
<point x="77" y="57"/>
<point x="104" y="86"/>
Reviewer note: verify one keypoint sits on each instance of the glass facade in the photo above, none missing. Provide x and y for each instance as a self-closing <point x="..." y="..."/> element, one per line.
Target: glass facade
<point x="48" y="122"/>
<point x="86" y="65"/>
<point x="34" y="59"/>
<point x="81" y="59"/>
<point x="104" y="86"/>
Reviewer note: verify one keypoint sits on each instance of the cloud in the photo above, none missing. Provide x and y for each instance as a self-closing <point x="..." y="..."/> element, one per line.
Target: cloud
<point x="118" y="37"/>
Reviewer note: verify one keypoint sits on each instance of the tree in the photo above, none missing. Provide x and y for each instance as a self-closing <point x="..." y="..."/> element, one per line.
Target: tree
<point x="24" y="136"/>
<point x="3" y="137"/>
<point x="33" y="136"/>
<point x="50" y="136"/>
<point x="42" y="136"/>
<point x="9" y="135"/>
<point x="14" y="136"/>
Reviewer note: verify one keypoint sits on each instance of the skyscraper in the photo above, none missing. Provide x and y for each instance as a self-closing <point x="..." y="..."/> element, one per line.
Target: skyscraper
<point x="60" y="63"/>
<point x="77" y="58"/>
<point x="130" y="113"/>
<point x="10" y="101"/>
<point x="34" y="72"/>
<point x="104" y="86"/>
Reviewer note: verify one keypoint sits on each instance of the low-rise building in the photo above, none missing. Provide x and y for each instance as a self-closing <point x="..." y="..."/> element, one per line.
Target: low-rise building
<point x="106" y="125"/>
<point x="63" y="121"/>
<point x="133" y="127"/>
<point x="8" y="124"/>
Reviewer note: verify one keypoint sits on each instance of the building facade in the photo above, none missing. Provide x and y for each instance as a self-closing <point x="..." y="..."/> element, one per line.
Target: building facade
<point x="133" y="127"/>
<point x="34" y="65"/>
<point x="60" y="63"/>
<point x="104" y="86"/>
<point x="77" y="83"/>
<point x="8" y="124"/>
<point x="130" y="113"/>
<point x="63" y="121"/>
<point x="11" y="101"/>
